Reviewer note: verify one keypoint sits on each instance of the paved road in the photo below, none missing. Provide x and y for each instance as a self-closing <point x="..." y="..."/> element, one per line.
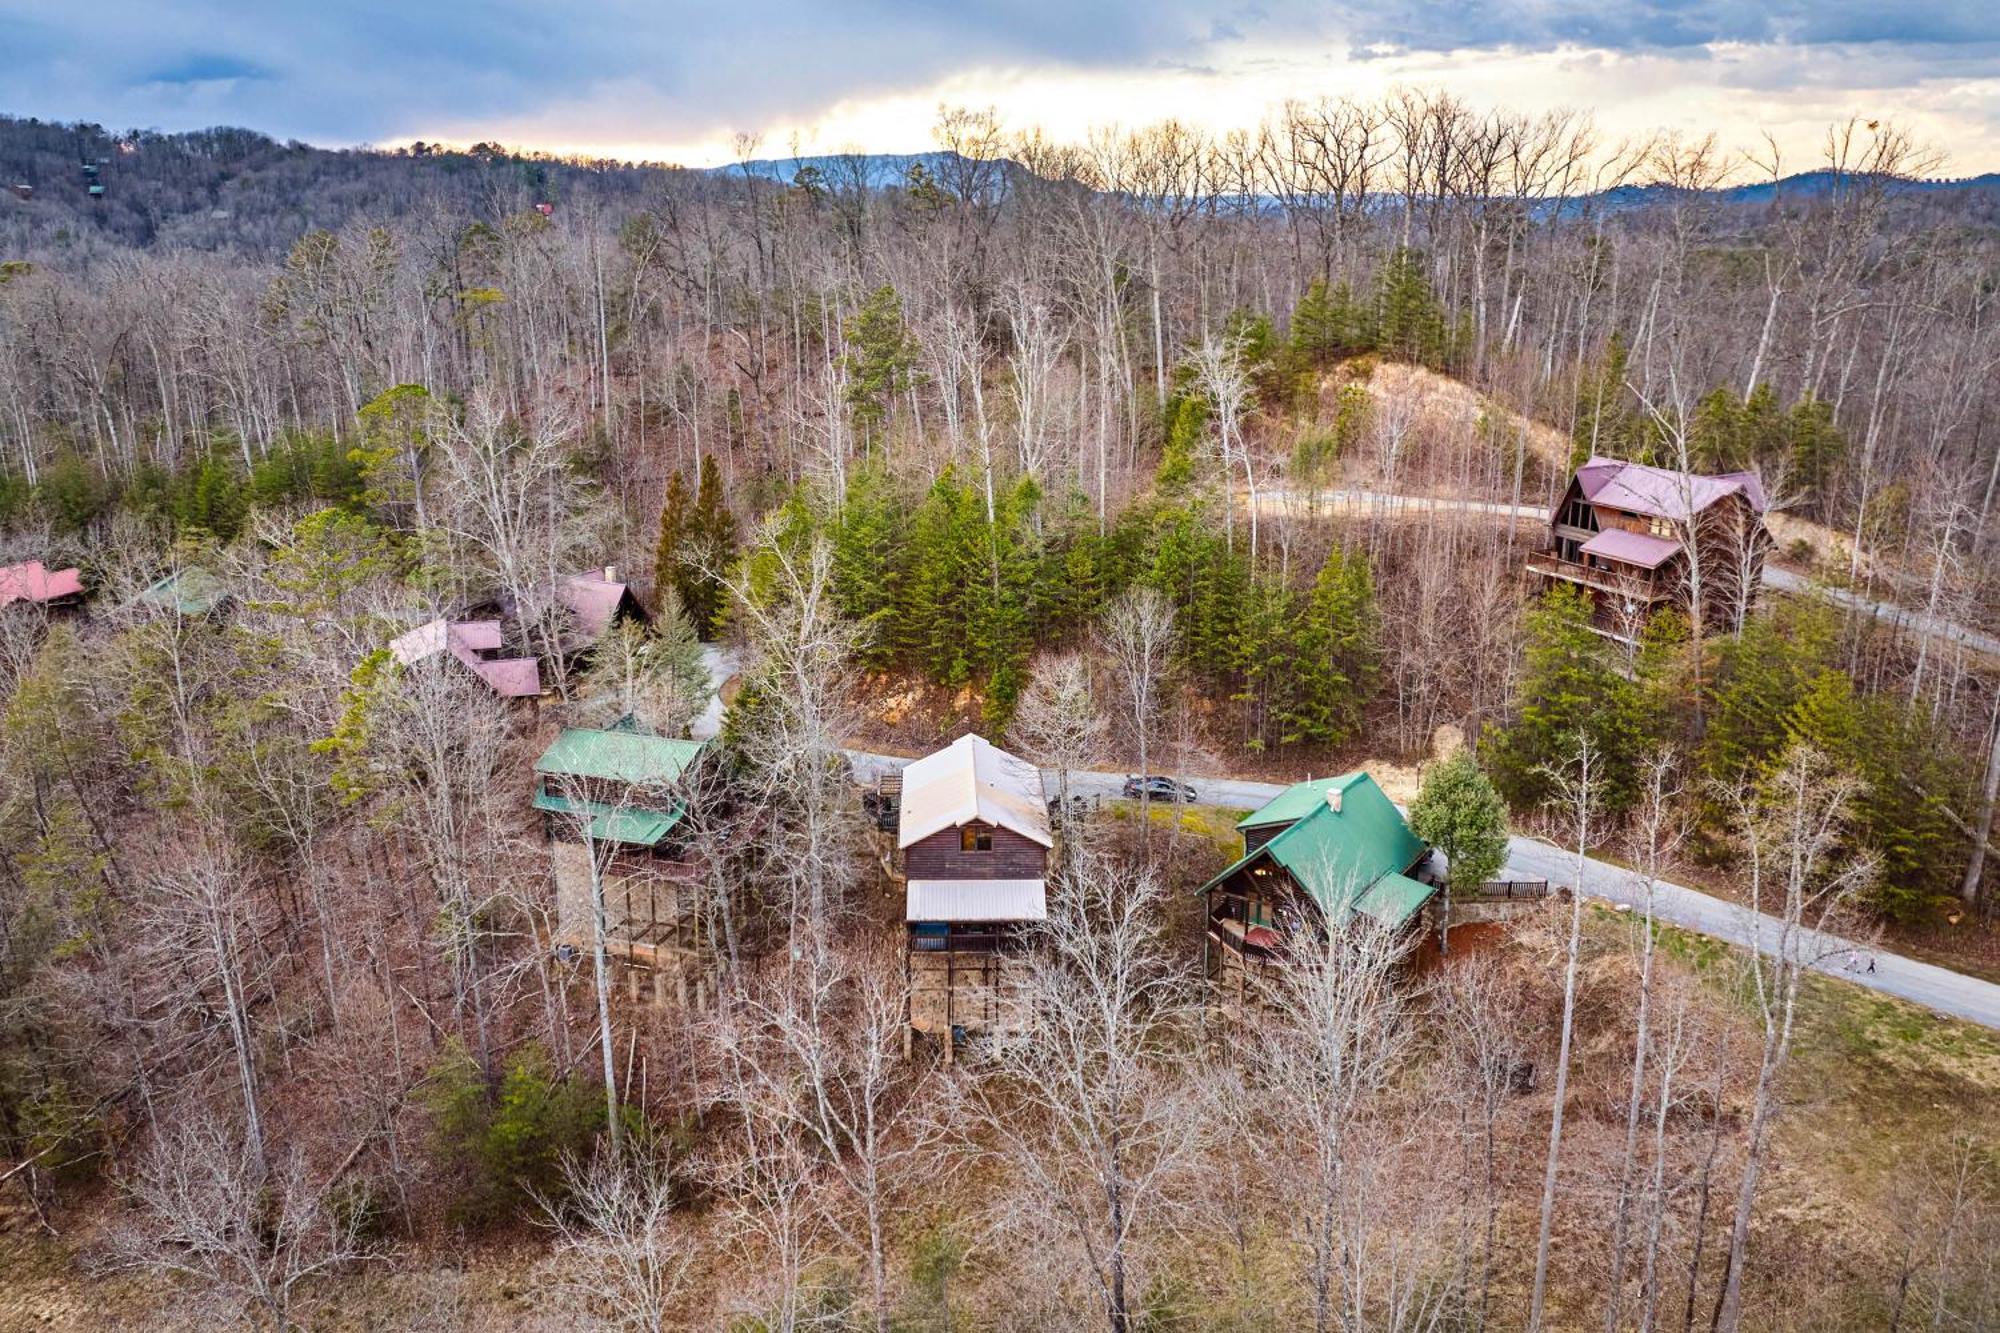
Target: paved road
<point x="1914" y="621"/>
<point x="1934" y="987"/>
<point x="722" y="662"/>
<point x="1937" y="988"/>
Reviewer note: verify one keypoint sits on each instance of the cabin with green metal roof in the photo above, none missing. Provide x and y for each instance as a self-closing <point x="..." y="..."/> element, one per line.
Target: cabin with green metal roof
<point x="1323" y="850"/>
<point x="614" y="807"/>
<point x="189" y="591"/>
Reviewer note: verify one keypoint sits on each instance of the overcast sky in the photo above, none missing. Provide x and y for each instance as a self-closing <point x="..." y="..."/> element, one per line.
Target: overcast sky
<point x="678" y="81"/>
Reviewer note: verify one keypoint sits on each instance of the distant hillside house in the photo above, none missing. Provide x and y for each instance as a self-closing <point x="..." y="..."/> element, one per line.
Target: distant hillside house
<point x="188" y="591"/>
<point x="1629" y="535"/>
<point x="973" y="837"/>
<point x="596" y="601"/>
<point x="1319" y="851"/>
<point x="612" y="802"/>
<point x="35" y="585"/>
<point x="472" y="644"/>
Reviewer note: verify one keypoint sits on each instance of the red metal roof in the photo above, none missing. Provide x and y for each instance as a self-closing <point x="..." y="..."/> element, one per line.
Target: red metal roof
<point x="509" y="677"/>
<point x="593" y="600"/>
<point x="1660" y="493"/>
<point x="1632" y="548"/>
<point x="31" y="582"/>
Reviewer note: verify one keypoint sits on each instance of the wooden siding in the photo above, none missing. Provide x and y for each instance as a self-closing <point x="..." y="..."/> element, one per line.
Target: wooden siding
<point x="1253" y="838"/>
<point x="939" y="857"/>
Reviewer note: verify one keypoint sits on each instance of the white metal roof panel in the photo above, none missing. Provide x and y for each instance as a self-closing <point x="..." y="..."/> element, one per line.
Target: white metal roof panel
<point x="972" y="779"/>
<point x="976" y="900"/>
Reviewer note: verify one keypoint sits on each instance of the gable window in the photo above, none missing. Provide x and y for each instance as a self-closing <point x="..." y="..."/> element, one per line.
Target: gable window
<point x="975" y="838"/>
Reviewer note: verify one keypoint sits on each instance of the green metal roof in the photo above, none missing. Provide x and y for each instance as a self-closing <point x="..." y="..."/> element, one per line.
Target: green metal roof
<point x="1394" y="899"/>
<point x="617" y="756"/>
<point x="192" y="591"/>
<point x="638" y="828"/>
<point x="1298" y="800"/>
<point x="1348" y="859"/>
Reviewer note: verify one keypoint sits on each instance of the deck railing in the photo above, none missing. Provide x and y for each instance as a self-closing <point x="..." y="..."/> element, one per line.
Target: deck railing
<point x="1635" y="587"/>
<point x="1504" y="890"/>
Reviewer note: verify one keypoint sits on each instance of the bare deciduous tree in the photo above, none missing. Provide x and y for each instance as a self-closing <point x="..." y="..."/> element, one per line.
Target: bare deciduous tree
<point x="1802" y="870"/>
<point x="1091" y="1109"/>
<point x="620" y="1258"/>
<point x="251" y="1232"/>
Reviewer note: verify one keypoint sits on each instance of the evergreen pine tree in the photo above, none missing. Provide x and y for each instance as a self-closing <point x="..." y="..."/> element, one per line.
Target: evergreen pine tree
<point x="712" y="538"/>
<point x="880" y="362"/>
<point x="868" y="560"/>
<point x="671" y="552"/>
<point x="1335" y="658"/>
<point x="1570" y="687"/>
<point x="1814" y="442"/>
<point x="1410" y="320"/>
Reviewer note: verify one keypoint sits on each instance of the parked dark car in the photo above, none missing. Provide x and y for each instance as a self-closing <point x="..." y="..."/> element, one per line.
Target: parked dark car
<point x="1159" y="789"/>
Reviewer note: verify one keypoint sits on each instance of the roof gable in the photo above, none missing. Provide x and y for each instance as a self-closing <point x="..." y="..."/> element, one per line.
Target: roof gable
<point x="1632" y="548"/>
<point x="190" y="591"/>
<point x="508" y="677"/>
<point x="972" y="779"/>
<point x="593" y="599"/>
<point x="1299" y="800"/>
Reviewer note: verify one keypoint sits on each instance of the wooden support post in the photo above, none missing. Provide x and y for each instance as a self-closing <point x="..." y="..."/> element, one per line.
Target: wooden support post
<point x="660" y="989"/>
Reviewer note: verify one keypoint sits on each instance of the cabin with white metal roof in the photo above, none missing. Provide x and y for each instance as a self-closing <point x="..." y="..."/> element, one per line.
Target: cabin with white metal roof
<point x="973" y="839"/>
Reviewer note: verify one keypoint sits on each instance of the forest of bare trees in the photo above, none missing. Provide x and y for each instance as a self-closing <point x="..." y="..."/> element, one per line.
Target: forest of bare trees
<point x="1147" y="453"/>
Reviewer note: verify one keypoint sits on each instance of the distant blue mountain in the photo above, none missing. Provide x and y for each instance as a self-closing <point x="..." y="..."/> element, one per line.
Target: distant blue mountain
<point x="877" y="171"/>
<point x="874" y="171"/>
<point x="1803" y="185"/>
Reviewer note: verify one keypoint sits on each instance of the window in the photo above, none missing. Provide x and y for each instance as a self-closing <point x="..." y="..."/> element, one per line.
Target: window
<point x="975" y="838"/>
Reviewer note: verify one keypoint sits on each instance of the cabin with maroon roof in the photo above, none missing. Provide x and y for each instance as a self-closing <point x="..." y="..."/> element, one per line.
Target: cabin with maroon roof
<point x="1637" y="538"/>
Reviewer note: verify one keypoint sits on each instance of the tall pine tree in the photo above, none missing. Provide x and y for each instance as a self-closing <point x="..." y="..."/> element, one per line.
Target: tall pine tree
<point x="1335" y="654"/>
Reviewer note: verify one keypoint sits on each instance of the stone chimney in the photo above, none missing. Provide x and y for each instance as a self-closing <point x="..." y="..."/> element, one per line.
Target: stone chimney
<point x="611" y="573"/>
<point x="1333" y="799"/>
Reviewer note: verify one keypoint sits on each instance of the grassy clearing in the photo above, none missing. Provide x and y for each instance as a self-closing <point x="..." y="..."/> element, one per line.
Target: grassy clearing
<point x="1215" y="823"/>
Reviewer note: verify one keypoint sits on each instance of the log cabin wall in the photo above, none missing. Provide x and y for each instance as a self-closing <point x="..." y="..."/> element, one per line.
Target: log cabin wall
<point x="941" y="856"/>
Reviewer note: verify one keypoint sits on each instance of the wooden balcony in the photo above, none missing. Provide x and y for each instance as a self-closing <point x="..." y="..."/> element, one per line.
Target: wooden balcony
<point x="1632" y="586"/>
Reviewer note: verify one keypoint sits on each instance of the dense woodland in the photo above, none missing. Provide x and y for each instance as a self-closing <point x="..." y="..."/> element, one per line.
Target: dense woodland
<point x="1091" y="446"/>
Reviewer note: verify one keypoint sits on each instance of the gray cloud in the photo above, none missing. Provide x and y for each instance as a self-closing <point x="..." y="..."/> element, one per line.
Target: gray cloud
<point x="378" y="69"/>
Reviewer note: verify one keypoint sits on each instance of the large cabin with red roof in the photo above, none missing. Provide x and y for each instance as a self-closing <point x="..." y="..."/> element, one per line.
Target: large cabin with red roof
<point x="1637" y="538"/>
